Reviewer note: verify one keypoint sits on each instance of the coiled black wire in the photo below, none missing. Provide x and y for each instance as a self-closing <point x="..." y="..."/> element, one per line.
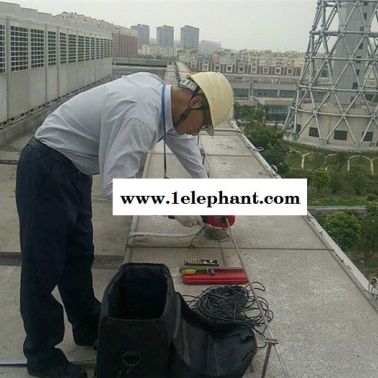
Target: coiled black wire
<point x="233" y="304"/>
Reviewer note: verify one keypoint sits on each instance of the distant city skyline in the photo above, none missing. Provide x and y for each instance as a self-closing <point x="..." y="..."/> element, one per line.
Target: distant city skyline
<point x="277" y="25"/>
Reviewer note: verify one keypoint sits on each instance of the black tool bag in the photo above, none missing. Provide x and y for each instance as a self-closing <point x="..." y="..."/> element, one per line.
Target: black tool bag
<point x="204" y="349"/>
<point x="139" y="316"/>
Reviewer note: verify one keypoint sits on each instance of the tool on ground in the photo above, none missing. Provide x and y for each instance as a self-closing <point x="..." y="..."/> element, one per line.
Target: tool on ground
<point x="219" y="221"/>
<point x="216" y="226"/>
<point x="192" y="269"/>
<point x="220" y="276"/>
<point x="202" y="262"/>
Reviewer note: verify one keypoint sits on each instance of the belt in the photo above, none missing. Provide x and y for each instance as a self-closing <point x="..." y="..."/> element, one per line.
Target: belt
<point x="50" y="152"/>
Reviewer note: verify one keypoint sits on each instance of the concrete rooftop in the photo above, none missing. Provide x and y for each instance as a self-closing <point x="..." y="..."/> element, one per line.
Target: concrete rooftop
<point x="324" y="319"/>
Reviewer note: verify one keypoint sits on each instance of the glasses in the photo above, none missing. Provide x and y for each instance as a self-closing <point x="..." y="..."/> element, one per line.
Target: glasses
<point x="206" y="117"/>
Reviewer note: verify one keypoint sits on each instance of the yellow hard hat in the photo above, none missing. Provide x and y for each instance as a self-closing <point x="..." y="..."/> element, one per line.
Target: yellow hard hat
<point x="219" y="96"/>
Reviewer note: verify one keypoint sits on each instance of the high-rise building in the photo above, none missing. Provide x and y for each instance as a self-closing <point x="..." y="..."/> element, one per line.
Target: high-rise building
<point x="143" y="34"/>
<point x="124" y="43"/>
<point x="164" y="35"/>
<point x="208" y="47"/>
<point x="189" y="37"/>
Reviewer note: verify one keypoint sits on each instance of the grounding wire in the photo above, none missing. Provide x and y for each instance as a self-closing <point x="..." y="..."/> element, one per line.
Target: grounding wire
<point x="267" y="329"/>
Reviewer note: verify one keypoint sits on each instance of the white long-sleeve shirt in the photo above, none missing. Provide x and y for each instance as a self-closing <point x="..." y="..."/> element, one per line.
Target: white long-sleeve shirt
<point x="110" y="128"/>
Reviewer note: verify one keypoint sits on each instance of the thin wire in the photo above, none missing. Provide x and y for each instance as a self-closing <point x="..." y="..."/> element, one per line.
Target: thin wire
<point x="258" y="302"/>
<point x="234" y="304"/>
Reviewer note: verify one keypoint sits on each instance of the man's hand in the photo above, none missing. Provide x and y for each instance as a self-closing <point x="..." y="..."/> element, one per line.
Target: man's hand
<point x="189" y="220"/>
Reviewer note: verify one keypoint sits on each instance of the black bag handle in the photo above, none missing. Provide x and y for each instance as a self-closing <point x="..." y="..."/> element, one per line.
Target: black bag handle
<point x="129" y="360"/>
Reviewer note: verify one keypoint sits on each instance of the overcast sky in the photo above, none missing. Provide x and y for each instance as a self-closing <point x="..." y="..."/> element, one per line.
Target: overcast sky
<point x="254" y="24"/>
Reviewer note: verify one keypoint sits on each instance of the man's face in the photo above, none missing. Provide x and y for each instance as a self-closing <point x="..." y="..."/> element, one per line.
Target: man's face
<point x="197" y="119"/>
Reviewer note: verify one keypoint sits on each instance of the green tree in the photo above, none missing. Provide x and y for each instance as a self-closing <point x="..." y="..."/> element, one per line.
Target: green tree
<point x="265" y="137"/>
<point x="337" y="182"/>
<point x="369" y="237"/>
<point x="274" y="150"/>
<point x="250" y="117"/>
<point x="358" y="181"/>
<point x="320" y="180"/>
<point x="344" y="228"/>
<point x="276" y="156"/>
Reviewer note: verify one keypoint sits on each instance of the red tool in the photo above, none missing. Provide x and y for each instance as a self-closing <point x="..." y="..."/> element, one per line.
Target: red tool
<point x="219" y="276"/>
<point x="219" y="221"/>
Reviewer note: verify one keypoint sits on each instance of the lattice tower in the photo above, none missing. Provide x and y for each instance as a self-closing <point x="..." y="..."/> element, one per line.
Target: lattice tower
<point x="336" y="102"/>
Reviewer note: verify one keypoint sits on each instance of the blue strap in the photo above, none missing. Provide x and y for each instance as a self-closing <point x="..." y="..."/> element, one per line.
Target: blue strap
<point x="164" y="131"/>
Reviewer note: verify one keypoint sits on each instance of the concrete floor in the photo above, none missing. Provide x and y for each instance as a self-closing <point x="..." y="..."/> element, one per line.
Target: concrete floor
<point x="324" y="322"/>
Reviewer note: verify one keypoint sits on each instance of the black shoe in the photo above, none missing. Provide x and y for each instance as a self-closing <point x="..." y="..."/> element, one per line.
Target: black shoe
<point x="57" y="367"/>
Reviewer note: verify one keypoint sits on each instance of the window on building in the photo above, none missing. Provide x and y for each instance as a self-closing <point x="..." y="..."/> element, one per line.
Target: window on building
<point x="87" y="48"/>
<point x="277" y="70"/>
<point x="98" y="52"/>
<point x="265" y="92"/>
<point x="357" y="72"/>
<point x="355" y="85"/>
<point x="290" y="71"/>
<point x="72" y="48"/>
<point x="276" y="113"/>
<point x="80" y="48"/>
<point x="241" y="69"/>
<point x="205" y="66"/>
<point x="93" y="48"/>
<point x="253" y="69"/>
<point x="358" y="59"/>
<point x="63" y="48"/>
<point x="51" y="45"/>
<point x="368" y="136"/>
<point x="265" y="70"/>
<point x="19" y="48"/>
<point x="217" y="67"/>
<point x="287" y="93"/>
<point x="37" y="39"/>
<point x="313" y="132"/>
<point x="110" y="48"/>
<point x="365" y="15"/>
<point x="229" y="68"/>
<point x="340" y="135"/>
<point x="2" y="49"/>
<point x="241" y="92"/>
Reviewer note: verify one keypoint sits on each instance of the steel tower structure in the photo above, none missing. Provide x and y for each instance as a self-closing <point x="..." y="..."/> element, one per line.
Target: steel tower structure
<point x="336" y="102"/>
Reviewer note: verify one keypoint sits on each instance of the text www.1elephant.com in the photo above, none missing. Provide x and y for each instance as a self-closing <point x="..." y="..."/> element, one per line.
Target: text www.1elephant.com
<point x="209" y="196"/>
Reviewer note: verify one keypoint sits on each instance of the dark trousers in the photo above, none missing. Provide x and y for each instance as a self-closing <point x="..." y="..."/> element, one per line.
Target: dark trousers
<point x="56" y="235"/>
